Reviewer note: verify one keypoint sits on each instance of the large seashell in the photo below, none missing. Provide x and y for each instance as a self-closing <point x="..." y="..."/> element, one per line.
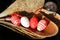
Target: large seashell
<point x="21" y="30"/>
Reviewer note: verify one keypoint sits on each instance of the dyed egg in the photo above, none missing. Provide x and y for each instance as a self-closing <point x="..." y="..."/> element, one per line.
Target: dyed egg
<point x="25" y="22"/>
<point x="33" y="22"/>
<point x="15" y="20"/>
<point x="41" y="25"/>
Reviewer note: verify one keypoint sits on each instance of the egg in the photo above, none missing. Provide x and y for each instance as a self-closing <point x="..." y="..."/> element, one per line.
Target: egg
<point x="25" y="22"/>
<point x="15" y="20"/>
<point x="41" y="25"/>
<point x="33" y="22"/>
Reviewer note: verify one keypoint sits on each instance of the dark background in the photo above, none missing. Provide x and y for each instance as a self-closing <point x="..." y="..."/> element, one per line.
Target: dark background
<point x="7" y="34"/>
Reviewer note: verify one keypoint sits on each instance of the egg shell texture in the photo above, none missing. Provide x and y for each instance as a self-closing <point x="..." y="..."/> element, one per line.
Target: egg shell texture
<point x="25" y="22"/>
<point x="33" y="22"/>
<point x="41" y="25"/>
<point x="15" y="20"/>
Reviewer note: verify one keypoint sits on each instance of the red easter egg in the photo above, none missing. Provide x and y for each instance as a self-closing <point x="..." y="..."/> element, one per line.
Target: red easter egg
<point x="33" y="22"/>
<point x="41" y="25"/>
<point x="15" y="20"/>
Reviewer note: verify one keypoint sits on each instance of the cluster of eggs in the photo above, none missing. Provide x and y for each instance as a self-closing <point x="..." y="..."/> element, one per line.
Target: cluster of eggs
<point x="33" y="23"/>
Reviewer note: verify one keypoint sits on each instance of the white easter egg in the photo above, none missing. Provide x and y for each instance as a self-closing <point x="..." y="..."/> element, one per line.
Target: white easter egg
<point x="25" y="22"/>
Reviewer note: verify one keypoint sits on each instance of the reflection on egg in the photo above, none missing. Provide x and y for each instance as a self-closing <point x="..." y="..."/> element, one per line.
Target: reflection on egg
<point x="25" y="22"/>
